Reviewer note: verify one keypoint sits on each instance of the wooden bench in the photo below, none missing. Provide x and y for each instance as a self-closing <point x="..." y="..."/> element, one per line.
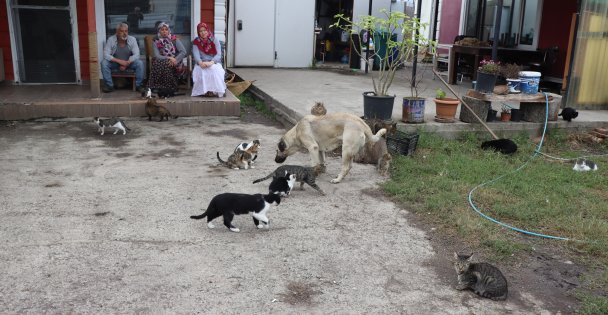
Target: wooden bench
<point x="128" y="73"/>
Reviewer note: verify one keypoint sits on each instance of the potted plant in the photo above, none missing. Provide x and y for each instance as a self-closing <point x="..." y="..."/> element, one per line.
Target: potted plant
<point x="505" y="113"/>
<point x="396" y="36"/>
<point x="511" y="72"/>
<point x="486" y="75"/>
<point x="445" y="107"/>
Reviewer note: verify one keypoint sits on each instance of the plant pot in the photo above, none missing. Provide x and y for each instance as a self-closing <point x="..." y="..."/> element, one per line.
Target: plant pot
<point x="515" y="114"/>
<point x="485" y="82"/>
<point x="413" y="110"/>
<point x="505" y="116"/>
<point x="378" y="107"/>
<point x="446" y="109"/>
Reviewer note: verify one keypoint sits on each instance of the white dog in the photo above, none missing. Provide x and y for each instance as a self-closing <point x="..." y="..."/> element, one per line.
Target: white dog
<point x="320" y="134"/>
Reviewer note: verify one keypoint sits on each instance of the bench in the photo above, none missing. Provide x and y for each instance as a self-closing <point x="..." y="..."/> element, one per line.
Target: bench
<point x="128" y="73"/>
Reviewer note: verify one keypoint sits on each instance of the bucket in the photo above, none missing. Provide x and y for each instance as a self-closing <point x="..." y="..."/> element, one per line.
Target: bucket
<point x="413" y="110"/>
<point x="529" y="81"/>
<point x="513" y="85"/>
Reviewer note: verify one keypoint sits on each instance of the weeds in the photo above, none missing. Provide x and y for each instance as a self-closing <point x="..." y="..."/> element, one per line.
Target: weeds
<point x="249" y="100"/>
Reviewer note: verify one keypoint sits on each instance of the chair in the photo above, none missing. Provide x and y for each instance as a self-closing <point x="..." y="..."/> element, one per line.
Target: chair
<point x="149" y="41"/>
<point x="441" y="60"/>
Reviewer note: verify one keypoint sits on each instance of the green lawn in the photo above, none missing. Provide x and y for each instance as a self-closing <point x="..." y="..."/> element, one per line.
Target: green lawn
<point x="545" y="196"/>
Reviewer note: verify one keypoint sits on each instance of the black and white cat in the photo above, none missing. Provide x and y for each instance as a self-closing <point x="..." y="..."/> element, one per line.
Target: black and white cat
<point x="116" y="123"/>
<point x="230" y="204"/>
<point x="504" y="146"/>
<point x="568" y="114"/>
<point x="282" y="185"/>
<point x="583" y="165"/>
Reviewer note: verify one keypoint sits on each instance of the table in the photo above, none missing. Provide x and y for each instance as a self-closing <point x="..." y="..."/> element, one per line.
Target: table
<point x="507" y="55"/>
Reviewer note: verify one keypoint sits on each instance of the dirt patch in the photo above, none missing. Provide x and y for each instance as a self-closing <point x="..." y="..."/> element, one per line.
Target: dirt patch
<point x="299" y="293"/>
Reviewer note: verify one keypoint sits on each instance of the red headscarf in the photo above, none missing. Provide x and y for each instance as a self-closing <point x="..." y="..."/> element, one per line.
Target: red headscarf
<point x="206" y="46"/>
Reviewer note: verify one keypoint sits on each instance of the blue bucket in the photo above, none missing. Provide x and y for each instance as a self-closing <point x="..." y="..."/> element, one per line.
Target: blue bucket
<point x="529" y="81"/>
<point x="413" y="110"/>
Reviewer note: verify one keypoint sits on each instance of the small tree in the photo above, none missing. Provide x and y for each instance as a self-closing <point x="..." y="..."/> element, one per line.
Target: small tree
<point x="398" y="51"/>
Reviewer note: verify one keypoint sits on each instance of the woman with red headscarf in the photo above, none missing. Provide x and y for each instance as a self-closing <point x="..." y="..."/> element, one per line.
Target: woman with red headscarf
<point x="208" y="74"/>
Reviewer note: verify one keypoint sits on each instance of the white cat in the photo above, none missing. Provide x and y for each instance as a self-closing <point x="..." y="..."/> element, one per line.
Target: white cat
<point x="115" y="123"/>
<point x="583" y="165"/>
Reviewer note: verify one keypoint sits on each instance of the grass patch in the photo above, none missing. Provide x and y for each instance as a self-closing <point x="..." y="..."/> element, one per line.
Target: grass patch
<point x="249" y="100"/>
<point x="544" y="196"/>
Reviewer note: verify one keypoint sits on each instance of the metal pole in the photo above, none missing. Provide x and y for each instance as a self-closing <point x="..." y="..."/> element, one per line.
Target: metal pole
<point x="369" y="36"/>
<point x="497" y="17"/>
<point x="415" y="61"/>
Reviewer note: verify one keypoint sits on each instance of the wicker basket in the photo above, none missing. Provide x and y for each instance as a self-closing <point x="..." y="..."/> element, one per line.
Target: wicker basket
<point x="402" y="143"/>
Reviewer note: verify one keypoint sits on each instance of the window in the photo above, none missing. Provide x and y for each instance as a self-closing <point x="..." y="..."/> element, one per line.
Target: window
<point x="143" y="16"/>
<point x="519" y="21"/>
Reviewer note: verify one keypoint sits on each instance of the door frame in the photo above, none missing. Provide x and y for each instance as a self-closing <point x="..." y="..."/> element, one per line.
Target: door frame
<point x="16" y="46"/>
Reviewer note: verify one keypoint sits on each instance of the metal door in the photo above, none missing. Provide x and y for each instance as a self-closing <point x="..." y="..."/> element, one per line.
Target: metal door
<point x="44" y="43"/>
<point x="294" y="33"/>
<point x="254" y="33"/>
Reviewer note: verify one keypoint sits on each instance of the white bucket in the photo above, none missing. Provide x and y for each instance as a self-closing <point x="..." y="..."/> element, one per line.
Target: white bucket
<point x="529" y="81"/>
<point x="370" y="64"/>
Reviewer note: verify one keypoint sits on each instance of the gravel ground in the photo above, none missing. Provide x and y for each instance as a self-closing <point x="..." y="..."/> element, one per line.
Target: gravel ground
<point x="100" y="224"/>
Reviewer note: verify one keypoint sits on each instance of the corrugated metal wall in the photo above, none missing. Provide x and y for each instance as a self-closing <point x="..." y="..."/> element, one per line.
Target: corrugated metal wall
<point x="589" y="80"/>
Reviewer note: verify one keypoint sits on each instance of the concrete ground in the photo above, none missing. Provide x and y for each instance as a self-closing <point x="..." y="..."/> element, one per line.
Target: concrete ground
<point x="100" y="224"/>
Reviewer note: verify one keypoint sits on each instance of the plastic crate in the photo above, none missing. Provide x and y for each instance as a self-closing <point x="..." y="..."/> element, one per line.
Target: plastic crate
<point x="402" y="143"/>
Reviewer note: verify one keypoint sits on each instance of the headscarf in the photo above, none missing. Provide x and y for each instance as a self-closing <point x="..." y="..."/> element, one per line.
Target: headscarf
<point x="165" y="44"/>
<point x="206" y="46"/>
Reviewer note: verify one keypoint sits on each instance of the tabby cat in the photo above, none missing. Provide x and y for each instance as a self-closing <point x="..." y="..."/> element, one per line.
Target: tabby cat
<point x="236" y="160"/>
<point x="375" y="153"/>
<point x="153" y="109"/>
<point x="116" y="123"/>
<point x="484" y="279"/>
<point x="303" y="175"/>
<point x="318" y="109"/>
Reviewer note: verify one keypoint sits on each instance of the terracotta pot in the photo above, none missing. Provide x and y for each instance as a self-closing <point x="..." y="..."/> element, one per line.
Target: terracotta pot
<point x="446" y="108"/>
<point x="505" y="116"/>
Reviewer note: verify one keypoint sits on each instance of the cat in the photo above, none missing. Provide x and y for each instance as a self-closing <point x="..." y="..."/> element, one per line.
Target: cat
<point x="583" y="165"/>
<point x="376" y="124"/>
<point x="153" y="109"/>
<point x="236" y="160"/>
<point x="282" y="185"/>
<point x="318" y="109"/>
<point x="504" y="146"/>
<point x="230" y="204"/>
<point x="116" y="123"/>
<point x="568" y="114"/>
<point x="303" y="175"/>
<point x="250" y="147"/>
<point x="375" y="153"/>
<point x="484" y="279"/>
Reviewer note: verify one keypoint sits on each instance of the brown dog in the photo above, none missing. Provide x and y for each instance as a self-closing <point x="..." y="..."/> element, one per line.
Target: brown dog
<point x="320" y="134"/>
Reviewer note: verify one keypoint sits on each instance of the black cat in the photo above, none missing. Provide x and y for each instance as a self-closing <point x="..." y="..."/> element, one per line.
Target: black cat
<point x="568" y="114"/>
<point x="504" y="146"/>
<point x="229" y="204"/>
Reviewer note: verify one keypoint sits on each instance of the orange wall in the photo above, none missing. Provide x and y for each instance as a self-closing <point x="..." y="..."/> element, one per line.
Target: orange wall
<point x="555" y="31"/>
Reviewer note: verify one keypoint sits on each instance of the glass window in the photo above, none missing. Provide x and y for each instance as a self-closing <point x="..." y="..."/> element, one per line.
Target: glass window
<point x="528" y="22"/>
<point x="143" y="16"/>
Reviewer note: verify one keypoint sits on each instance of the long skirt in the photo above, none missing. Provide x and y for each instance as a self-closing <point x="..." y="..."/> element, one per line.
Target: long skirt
<point x="210" y="79"/>
<point x="164" y="75"/>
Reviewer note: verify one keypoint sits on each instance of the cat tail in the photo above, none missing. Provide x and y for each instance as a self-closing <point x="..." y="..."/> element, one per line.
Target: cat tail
<point x="374" y="137"/>
<point x="220" y="159"/>
<point x="263" y="178"/>
<point x="124" y="124"/>
<point x="198" y="217"/>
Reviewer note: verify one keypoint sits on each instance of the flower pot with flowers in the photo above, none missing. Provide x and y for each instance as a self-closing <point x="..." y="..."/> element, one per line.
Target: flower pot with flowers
<point x="486" y="75"/>
<point x="400" y="36"/>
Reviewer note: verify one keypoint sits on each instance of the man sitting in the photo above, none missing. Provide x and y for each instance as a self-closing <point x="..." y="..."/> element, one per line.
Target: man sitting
<point x="121" y="52"/>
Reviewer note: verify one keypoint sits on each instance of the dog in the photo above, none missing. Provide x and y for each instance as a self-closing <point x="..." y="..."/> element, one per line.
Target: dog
<point x="320" y="134"/>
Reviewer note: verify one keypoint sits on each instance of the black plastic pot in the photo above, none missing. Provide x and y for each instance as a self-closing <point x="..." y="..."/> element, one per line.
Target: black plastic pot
<point x="379" y="107"/>
<point x="515" y="114"/>
<point x="491" y="115"/>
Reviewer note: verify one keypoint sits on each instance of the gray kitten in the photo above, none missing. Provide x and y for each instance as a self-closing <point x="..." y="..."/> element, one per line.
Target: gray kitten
<point x="484" y="279"/>
<point x="116" y="123"/>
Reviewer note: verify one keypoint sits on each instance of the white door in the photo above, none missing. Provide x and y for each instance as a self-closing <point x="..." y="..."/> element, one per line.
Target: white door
<point x="254" y="33"/>
<point x="294" y="33"/>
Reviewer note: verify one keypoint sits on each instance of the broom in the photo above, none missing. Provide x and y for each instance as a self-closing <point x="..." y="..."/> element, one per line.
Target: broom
<point x="505" y="146"/>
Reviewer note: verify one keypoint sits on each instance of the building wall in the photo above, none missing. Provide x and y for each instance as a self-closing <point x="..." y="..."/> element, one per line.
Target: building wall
<point x="449" y="18"/>
<point x="555" y="31"/>
<point x="5" y="43"/>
